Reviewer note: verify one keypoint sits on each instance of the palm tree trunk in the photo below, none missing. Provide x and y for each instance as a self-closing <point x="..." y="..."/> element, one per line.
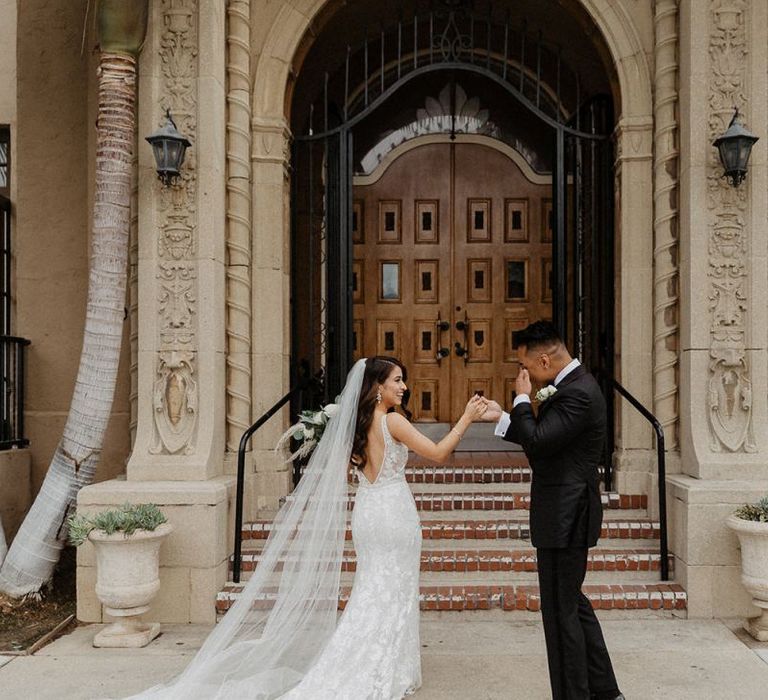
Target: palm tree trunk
<point x="35" y="551"/>
<point x="3" y="543"/>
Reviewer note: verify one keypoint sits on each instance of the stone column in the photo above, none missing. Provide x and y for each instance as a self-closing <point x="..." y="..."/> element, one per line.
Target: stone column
<point x="724" y="323"/>
<point x="271" y="302"/>
<point x="635" y="459"/>
<point x="177" y="459"/>
<point x="665" y="223"/>
<point x="239" y="222"/>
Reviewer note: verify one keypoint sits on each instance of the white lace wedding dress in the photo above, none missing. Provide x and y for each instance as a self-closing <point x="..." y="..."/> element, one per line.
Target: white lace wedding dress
<point x="374" y="653"/>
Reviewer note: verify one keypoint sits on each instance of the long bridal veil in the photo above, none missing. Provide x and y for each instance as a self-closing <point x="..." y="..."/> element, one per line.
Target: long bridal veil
<point x="287" y="611"/>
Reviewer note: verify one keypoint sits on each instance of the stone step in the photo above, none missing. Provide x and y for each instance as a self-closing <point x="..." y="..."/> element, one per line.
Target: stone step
<point x="478" y="596"/>
<point x="498" y="500"/>
<point x="511" y="559"/>
<point x="483" y="527"/>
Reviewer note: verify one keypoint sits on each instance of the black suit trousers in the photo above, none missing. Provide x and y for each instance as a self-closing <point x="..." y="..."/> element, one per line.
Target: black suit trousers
<point x="579" y="665"/>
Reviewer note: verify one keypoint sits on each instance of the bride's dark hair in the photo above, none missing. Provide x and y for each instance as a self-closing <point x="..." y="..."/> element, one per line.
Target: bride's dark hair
<point x="377" y="370"/>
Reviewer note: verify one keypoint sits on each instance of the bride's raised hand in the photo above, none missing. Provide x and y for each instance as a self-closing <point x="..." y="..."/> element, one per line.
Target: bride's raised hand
<point x="475" y="408"/>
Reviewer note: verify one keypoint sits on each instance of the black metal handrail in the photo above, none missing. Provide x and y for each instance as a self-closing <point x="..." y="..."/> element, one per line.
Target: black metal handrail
<point x="304" y="383"/>
<point x="12" y="401"/>
<point x="662" y="468"/>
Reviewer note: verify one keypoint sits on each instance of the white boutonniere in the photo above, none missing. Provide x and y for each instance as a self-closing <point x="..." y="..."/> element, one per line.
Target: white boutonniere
<point x="546" y="393"/>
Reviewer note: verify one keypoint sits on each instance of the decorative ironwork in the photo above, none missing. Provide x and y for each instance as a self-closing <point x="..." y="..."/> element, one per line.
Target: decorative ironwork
<point x="452" y="43"/>
<point x="451" y="39"/>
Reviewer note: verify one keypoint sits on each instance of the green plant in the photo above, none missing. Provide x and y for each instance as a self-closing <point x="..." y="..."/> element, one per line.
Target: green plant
<point x="127" y="519"/>
<point x="757" y="512"/>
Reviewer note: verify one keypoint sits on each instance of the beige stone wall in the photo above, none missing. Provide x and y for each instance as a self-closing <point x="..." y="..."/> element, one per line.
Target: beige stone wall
<point x="53" y="166"/>
<point x="15" y="489"/>
<point x="8" y="62"/>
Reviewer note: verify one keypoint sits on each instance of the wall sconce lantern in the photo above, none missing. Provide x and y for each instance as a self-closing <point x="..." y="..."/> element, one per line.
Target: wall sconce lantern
<point x="169" y="147"/>
<point x="735" y="147"/>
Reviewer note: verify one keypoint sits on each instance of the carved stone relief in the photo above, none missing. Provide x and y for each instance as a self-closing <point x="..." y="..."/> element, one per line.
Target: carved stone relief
<point x="175" y="403"/>
<point x="730" y="387"/>
<point x="175" y="389"/>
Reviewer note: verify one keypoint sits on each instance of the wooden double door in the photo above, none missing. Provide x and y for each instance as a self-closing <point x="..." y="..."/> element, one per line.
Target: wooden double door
<point x="452" y="248"/>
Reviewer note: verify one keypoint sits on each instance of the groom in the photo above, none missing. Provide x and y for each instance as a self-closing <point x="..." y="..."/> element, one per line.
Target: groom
<point x="564" y="445"/>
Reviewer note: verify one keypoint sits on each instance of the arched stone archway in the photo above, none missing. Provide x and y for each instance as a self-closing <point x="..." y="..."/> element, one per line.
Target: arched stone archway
<point x="283" y="46"/>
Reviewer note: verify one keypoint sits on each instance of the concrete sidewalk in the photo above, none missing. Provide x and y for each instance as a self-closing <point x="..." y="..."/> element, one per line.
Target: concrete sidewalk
<point x="467" y="659"/>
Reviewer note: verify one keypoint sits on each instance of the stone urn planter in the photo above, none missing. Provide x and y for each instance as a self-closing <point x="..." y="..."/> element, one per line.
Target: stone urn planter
<point x="753" y="537"/>
<point x="127" y="580"/>
<point x="127" y="543"/>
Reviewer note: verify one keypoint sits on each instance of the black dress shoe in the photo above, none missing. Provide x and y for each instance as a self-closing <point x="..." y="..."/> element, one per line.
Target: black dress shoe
<point x="620" y="696"/>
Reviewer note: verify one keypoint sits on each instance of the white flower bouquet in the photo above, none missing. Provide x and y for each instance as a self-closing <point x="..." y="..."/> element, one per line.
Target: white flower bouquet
<point x="307" y="431"/>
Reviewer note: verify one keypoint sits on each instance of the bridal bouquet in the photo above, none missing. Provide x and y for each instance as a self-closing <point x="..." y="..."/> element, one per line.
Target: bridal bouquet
<point x="307" y="431"/>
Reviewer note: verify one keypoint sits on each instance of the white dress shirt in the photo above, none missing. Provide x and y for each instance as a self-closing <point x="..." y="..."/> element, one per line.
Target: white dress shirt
<point x="503" y="425"/>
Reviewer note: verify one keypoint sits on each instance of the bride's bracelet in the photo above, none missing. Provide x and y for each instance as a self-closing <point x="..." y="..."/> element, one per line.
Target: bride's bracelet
<point x="460" y="435"/>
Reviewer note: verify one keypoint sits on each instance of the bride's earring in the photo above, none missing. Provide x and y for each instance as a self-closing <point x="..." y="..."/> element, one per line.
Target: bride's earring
<point x="378" y="396"/>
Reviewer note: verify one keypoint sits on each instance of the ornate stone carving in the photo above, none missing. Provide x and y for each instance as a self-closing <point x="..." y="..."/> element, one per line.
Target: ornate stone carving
<point x="238" y="221"/>
<point x="175" y="403"/>
<point x="665" y="253"/>
<point x="176" y="303"/>
<point x="175" y="390"/>
<point x="730" y="387"/>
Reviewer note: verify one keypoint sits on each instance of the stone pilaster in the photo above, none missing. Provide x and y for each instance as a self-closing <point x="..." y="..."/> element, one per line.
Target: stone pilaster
<point x="723" y="325"/>
<point x="181" y="377"/>
<point x="635" y="457"/>
<point x="723" y="249"/>
<point x="271" y="302"/>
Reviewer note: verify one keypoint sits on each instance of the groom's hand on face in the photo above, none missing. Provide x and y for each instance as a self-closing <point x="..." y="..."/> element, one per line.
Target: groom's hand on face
<point x="523" y="383"/>
<point x="492" y="412"/>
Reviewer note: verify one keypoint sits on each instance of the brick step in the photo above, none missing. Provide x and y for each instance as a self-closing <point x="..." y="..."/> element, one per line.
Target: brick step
<point x="431" y="473"/>
<point x="484" y="528"/>
<point x="518" y="560"/>
<point x="466" y="474"/>
<point x="499" y="500"/>
<point x="510" y="598"/>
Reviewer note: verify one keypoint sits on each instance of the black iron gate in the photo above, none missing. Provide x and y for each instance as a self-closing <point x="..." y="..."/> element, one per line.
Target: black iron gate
<point x="453" y="40"/>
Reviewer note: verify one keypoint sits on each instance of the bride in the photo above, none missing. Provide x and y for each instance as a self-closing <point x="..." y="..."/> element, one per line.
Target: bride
<point x="282" y="638"/>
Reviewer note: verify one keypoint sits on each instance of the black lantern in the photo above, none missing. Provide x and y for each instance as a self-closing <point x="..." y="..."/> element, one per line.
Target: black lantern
<point x="735" y="146"/>
<point x="169" y="147"/>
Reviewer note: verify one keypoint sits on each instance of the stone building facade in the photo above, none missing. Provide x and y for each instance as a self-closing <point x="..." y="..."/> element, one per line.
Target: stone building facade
<point x="210" y="321"/>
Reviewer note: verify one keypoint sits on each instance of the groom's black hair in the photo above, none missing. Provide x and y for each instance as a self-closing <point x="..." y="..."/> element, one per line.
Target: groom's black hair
<point x="537" y="335"/>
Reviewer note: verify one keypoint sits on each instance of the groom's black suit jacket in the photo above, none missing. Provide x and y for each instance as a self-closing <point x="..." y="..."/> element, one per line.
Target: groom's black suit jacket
<point x="564" y="445"/>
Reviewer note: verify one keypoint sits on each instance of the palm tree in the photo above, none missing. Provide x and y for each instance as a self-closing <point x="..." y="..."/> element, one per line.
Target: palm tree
<point x="3" y="544"/>
<point x="35" y="550"/>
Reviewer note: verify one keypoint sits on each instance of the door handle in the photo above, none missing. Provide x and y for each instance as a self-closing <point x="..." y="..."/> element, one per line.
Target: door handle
<point x="461" y="351"/>
<point x="442" y="326"/>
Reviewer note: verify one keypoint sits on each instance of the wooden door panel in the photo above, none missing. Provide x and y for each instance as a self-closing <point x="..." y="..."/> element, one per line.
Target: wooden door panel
<point x="500" y="243"/>
<point x="403" y="214"/>
<point x="450" y="232"/>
